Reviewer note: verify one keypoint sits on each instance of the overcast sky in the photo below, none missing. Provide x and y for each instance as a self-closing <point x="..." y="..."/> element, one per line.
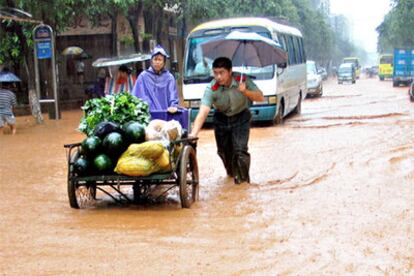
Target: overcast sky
<point x="364" y="16"/>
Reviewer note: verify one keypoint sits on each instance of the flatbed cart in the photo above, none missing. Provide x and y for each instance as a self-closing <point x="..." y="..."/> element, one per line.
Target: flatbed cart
<point x="82" y="190"/>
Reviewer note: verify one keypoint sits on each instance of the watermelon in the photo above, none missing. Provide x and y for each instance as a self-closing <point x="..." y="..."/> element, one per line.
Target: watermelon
<point x="91" y="145"/>
<point x="81" y="166"/>
<point x="134" y="132"/>
<point x="103" y="163"/>
<point x="113" y="144"/>
<point x="104" y="128"/>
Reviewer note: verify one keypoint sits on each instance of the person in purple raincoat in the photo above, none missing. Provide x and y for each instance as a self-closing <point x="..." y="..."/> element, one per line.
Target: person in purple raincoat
<point x="156" y="85"/>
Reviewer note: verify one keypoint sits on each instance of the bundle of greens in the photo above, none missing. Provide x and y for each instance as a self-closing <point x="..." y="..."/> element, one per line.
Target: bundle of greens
<point x="119" y="108"/>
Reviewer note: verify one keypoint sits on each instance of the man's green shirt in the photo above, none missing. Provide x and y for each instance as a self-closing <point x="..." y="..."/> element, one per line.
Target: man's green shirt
<point x="228" y="100"/>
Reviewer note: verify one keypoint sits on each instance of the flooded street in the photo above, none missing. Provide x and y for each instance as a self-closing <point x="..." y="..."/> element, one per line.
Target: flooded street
<point x="332" y="192"/>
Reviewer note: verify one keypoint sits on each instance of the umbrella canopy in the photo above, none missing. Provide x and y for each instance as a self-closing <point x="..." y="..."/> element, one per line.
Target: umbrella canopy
<point x="105" y="62"/>
<point x="83" y="55"/>
<point x="6" y="76"/>
<point x="72" y="50"/>
<point x="245" y="49"/>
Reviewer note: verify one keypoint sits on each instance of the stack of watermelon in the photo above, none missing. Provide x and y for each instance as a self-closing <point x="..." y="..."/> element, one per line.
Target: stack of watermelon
<point x="100" y="151"/>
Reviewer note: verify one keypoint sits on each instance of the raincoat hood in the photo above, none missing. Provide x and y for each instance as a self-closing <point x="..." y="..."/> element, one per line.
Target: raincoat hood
<point x="159" y="50"/>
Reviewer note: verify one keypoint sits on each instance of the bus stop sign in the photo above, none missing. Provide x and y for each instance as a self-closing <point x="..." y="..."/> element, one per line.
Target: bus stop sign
<point x="43" y="41"/>
<point x="45" y="49"/>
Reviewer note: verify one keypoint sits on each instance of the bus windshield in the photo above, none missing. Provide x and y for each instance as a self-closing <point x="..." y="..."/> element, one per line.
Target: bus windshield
<point x="198" y="68"/>
<point x="386" y="60"/>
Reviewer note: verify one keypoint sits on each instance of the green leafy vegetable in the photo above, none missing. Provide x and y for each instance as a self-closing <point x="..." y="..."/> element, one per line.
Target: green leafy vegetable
<point x="119" y="108"/>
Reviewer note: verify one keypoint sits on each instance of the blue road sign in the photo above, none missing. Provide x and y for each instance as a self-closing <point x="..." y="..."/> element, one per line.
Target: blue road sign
<point x="44" y="49"/>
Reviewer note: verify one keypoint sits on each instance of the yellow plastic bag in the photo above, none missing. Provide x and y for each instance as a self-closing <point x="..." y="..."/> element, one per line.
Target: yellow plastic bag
<point x="136" y="166"/>
<point x="151" y="150"/>
<point x="144" y="159"/>
<point x="164" y="161"/>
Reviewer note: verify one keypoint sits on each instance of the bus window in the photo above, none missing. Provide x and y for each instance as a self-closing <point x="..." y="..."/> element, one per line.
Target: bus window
<point x="303" y="50"/>
<point x="282" y="42"/>
<point x="291" y="50"/>
<point x="297" y="50"/>
<point x="241" y="29"/>
<point x="197" y="64"/>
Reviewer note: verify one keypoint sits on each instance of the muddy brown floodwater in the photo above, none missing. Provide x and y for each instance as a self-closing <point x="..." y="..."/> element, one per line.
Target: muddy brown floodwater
<point x="332" y="193"/>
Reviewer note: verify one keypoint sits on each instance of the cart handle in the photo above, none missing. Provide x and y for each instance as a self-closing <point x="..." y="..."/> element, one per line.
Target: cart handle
<point x="72" y="145"/>
<point x="185" y="140"/>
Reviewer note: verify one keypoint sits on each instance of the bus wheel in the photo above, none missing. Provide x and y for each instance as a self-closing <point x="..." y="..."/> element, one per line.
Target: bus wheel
<point x="298" y="108"/>
<point x="279" y="116"/>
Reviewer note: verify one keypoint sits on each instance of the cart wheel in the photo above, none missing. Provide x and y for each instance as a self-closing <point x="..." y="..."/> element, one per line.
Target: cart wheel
<point x="79" y="196"/>
<point x="188" y="177"/>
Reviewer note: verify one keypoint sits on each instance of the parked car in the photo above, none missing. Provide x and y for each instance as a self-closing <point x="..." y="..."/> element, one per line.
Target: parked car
<point x="346" y="73"/>
<point x="411" y="91"/>
<point x="314" y="80"/>
<point x="323" y="73"/>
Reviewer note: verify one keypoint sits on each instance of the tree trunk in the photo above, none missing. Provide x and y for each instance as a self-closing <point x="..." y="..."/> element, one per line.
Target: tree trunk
<point x="32" y="95"/>
<point x="114" y="26"/>
<point x="134" y="14"/>
<point x="147" y="30"/>
<point x="160" y="24"/>
<point x="133" y="17"/>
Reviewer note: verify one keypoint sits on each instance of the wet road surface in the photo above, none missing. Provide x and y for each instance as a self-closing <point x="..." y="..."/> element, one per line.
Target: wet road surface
<point x="332" y="193"/>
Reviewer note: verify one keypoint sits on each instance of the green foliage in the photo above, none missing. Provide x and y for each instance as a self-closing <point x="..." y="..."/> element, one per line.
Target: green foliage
<point x="127" y="40"/>
<point x="10" y="42"/>
<point x="322" y="43"/>
<point x="120" y="108"/>
<point x="397" y="28"/>
<point x="55" y="13"/>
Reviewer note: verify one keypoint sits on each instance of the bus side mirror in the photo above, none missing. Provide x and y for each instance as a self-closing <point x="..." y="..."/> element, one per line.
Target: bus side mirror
<point x="282" y="65"/>
<point x="281" y="68"/>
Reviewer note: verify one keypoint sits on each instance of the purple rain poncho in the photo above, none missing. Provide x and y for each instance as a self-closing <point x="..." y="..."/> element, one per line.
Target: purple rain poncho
<point x="159" y="91"/>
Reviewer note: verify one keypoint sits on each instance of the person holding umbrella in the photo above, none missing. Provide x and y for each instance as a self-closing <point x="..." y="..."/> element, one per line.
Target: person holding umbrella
<point x="230" y="95"/>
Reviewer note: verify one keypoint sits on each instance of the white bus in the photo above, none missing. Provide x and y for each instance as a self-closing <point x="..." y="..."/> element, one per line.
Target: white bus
<point x="284" y="89"/>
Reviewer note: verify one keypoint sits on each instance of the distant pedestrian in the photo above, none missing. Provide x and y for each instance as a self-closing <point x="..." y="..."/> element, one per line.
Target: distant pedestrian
<point x="99" y="87"/>
<point x="7" y="103"/>
<point x="80" y="71"/>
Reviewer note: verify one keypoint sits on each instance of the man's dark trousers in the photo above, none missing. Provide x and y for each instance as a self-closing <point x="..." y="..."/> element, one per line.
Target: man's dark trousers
<point x="232" y="137"/>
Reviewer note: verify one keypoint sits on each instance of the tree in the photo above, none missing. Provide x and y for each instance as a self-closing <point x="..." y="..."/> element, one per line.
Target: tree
<point x="319" y="42"/>
<point x="17" y="46"/>
<point x="396" y="29"/>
